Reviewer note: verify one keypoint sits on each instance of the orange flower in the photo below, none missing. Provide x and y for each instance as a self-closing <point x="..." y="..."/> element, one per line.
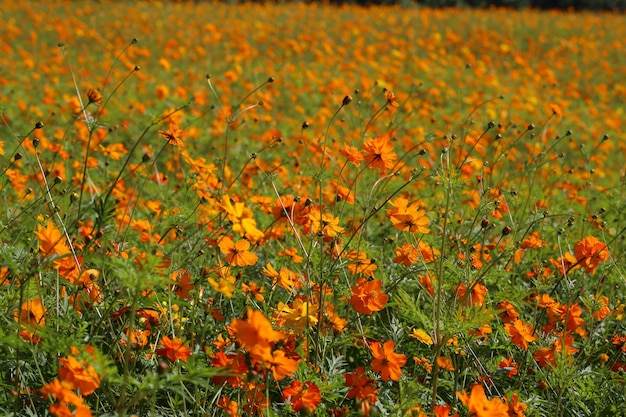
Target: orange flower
<point x="62" y="392"/>
<point x="521" y="333"/>
<point x="406" y="255"/>
<point x="94" y="96"/>
<point x="509" y="314"/>
<point x="475" y="298"/>
<point x="51" y="240"/>
<point x="230" y="407"/>
<point x="532" y="242"/>
<point x="545" y="357"/>
<point x="361" y="387"/>
<point x="281" y="365"/>
<point x="516" y="408"/>
<point x="367" y="296"/>
<point x="445" y="363"/>
<point x="422" y="336"/>
<point x="378" y="153"/>
<point x="299" y="315"/>
<point x="82" y="376"/>
<point x="183" y="284"/>
<point x="303" y="397"/>
<point x="325" y="223"/>
<point x="31" y="314"/>
<point x="363" y="265"/>
<point x="172" y="135"/>
<point x="444" y="411"/>
<point x="352" y="154"/>
<point x="509" y="365"/>
<point x="174" y="349"/>
<point x="237" y="253"/>
<point x="391" y="98"/>
<point x="480" y="406"/>
<point x="590" y="252"/>
<point x="255" y="330"/>
<point x="408" y="218"/>
<point x="234" y="367"/>
<point x="386" y="361"/>
<point x="242" y="218"/>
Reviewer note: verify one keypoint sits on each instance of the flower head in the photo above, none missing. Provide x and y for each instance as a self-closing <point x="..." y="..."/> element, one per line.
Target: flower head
<point x="386" y="361"/>
<point x="589" y="253"/>
<point x="368" y="297"/>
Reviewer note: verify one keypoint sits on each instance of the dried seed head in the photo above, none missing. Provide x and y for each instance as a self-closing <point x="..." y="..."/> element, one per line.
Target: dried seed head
<point x="306" y="125"/>
<point x="39" y="125"/>
<point x="346" y="100"/>
<point x="507" y="230"/>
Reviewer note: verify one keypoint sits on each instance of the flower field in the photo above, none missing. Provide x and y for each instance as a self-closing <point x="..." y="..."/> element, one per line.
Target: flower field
<point x="274" y="210"/>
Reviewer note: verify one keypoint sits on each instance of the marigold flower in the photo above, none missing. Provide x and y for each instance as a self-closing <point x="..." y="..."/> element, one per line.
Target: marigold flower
<point x="174" y="349"/>
<point x="386" y="361"/>
<point x="367" y="296"/>
<point x="590" y="252"/>
<point x="480" y="406"/>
